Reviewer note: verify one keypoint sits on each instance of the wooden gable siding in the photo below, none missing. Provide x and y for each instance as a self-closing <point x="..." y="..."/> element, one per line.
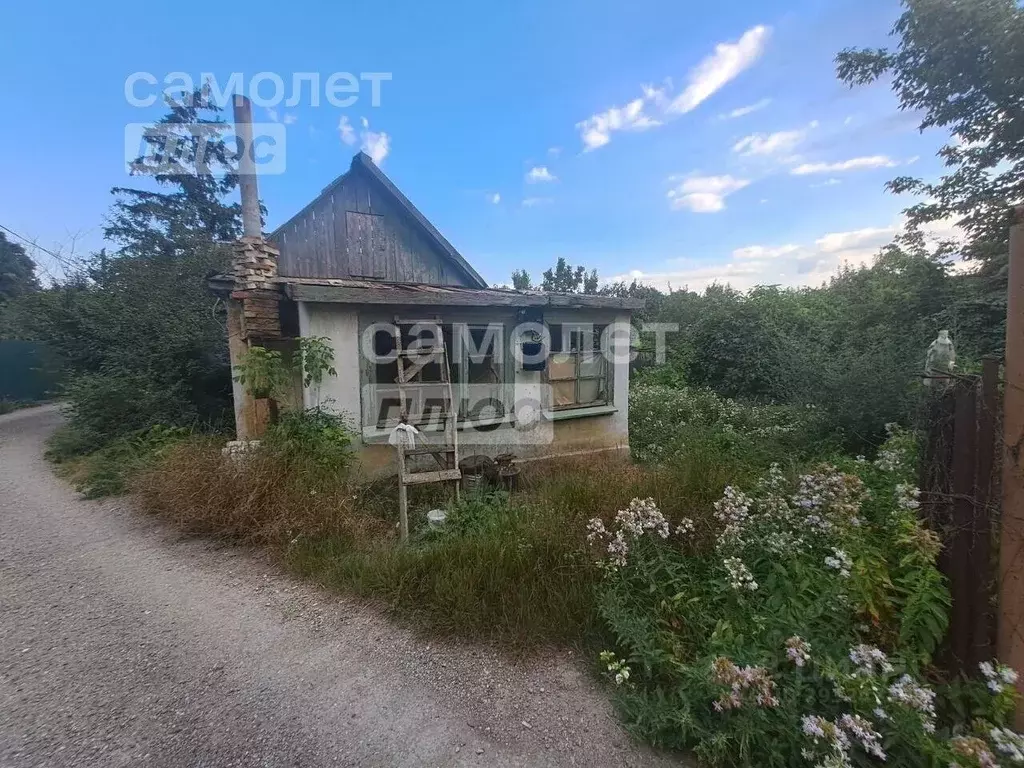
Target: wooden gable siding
<point x="357" y="231"/>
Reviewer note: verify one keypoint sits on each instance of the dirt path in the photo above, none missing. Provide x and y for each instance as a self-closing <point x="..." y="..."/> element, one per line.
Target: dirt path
<point x="122" y="646"/>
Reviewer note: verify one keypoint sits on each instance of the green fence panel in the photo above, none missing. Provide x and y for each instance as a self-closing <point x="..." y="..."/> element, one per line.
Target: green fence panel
<point x="28" y="371"/>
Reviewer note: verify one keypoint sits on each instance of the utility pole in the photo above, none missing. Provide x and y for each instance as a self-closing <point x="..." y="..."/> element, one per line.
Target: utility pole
<point x="1011" y="537"/>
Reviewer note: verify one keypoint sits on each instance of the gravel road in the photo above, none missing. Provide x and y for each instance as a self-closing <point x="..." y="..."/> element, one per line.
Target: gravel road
<point x="122" y="645"/>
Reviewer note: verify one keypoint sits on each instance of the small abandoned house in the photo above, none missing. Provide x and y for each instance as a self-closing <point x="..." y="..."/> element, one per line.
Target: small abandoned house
<point x="418" y="337"/>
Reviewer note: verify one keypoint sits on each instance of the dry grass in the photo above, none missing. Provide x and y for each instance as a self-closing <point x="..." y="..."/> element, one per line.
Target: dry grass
<point x="524" y="577"/>
<point x="255" y="499"/>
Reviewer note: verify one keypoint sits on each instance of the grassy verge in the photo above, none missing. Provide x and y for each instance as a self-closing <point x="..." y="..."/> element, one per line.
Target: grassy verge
<point x="107" y="470"/>
<point x="10" y="406"/>
<point x="513" y="571"/>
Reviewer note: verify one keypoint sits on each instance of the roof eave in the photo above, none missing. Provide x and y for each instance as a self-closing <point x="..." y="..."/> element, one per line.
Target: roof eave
<point x="348" y="292"/>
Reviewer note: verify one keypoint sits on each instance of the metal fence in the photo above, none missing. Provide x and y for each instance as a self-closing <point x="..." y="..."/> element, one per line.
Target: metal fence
<point x="960" y="498"/>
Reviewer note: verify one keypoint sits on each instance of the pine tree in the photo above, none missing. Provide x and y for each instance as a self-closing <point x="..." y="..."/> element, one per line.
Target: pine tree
<point x="186" y="153"/>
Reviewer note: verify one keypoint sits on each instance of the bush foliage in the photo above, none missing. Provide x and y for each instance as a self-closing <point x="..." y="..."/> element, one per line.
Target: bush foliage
<point x="795" y="625"/>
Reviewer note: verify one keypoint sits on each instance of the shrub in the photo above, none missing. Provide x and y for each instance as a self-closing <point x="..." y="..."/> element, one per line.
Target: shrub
<point x="760" y="641"/>
<point x="109" y="470"/>
<point x="315" y="443"/>
<point x="667" y="422"/>
<point x="103" y="407"/>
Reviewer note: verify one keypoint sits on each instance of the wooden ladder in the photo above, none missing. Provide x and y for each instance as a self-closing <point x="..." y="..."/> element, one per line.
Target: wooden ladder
<point x="411" y="363"/>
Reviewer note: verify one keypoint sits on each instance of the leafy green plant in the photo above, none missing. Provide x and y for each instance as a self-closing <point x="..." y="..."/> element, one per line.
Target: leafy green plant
<point x="475" y="514"/>
<point x="317" y="359"/>
<point x="668" y="422"/>
<point x="109" y="470"/>
<point x="263" y="372"/>
<point x="799" y="630"/>
<point x="314" y="441"/>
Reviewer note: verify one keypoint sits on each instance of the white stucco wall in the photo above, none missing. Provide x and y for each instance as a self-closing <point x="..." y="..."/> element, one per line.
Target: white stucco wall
<point x="340" y="324"/>
<point x="568" y="431"/>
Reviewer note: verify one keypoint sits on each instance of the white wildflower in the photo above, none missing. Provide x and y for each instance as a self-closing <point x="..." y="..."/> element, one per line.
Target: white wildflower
<point x="1008" y="743"/>
<point x="907" y="496"/>
<point x="617" y="668"/>
<point x="861" y="731"/>
<point x="869" y="661"/>
<point x="997" y="675"/>
<point x="840" y="561"/>
<point x="909" y="693"/>
<point x="596" y="530"/>
<point x="798" y="650"/>
<point x="740" y="577"/>
<point x="618" y="550"/>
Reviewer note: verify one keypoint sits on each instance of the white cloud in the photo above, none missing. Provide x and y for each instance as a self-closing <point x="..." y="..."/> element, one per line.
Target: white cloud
<point x="346" y="131"/>
<point x="596" y="130"/>
<point x="695" y="278"/>
<point x="858" y="238"/>
<point x="494" y="198"/>
<point x="810" y="264"/>
<point x="827" y="183"/>
<point x="704" y="194"/>
<point x="728" y="61"/>
<point x="747" y="110"/>
<point x="764" y="251"/>
<point x="540" y="173"/>
<point x="854" y="164"/>
<point x="274" y="117"/>
<point x="533" y="202"/>
<point x="554" y="151"/>
<point x="769" y="143"/>
<point x="655" y="105"/>
<point x="376" y="144"/>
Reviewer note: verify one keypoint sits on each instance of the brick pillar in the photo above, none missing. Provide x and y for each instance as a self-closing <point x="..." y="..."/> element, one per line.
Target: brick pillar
<point x="254" y="263"/>
<point x="253" y="317"/>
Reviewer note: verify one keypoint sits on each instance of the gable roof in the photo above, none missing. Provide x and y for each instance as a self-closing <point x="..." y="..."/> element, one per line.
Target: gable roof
<point x="362" y="163"/>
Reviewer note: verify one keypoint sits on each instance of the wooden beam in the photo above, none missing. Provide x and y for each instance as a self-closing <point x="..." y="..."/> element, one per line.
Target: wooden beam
<point x="396" y="295"/>
<point x="1011" y="538"/>
<point x="440" y="476"/>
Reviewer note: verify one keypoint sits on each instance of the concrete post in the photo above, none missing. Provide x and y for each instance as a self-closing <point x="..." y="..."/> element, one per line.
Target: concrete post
<point x="251" y="226"/>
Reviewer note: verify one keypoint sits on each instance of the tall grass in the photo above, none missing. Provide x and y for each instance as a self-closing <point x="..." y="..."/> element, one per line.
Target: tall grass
<point x="519" y="575"/>
<point x="256" y="498"/>
<point x="516" y="571"/>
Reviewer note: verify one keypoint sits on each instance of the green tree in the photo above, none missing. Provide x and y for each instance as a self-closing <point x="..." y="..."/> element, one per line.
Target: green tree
<point x="17" y="270"/>
<point x="141" y="335"/>
<point x="565" y="278"/>
<point x="187" y="154"/>
<point x="521" y="280"/>
<point x="958" y="62"/>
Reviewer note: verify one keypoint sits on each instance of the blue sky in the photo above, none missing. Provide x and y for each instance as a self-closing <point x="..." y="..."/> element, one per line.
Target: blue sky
<point x="678" y="142"/>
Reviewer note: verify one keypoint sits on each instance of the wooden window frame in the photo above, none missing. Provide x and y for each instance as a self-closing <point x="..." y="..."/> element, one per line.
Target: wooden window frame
<point x="579" y="355"/>
<point x="368" y="376"/>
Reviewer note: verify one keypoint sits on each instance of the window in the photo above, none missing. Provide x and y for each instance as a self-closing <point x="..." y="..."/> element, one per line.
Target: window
<point x="477" y="371"/>
<point x="577" y="370"/>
